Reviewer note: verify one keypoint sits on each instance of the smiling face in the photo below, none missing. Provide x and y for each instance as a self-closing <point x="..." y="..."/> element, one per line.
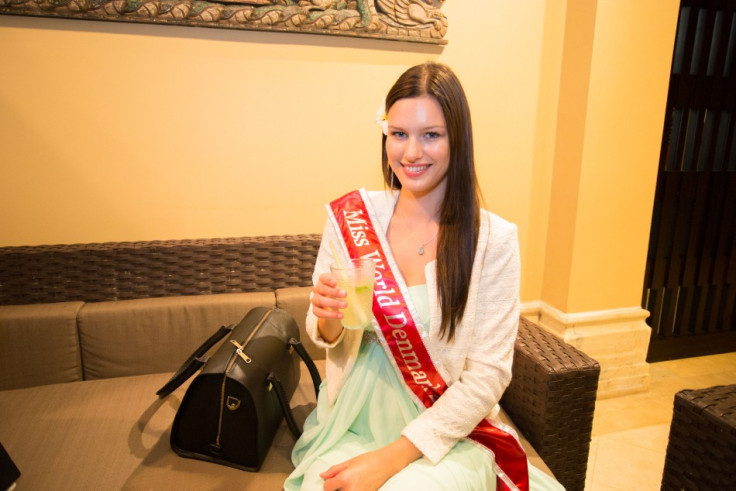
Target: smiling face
<point x="418" y="146"/>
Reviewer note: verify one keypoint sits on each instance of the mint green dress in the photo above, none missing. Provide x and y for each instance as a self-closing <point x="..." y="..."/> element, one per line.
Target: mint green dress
<point x="370" y="411"/>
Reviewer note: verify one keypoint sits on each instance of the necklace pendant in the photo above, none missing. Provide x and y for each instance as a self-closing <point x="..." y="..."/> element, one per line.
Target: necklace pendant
<point x="421" y="250"/>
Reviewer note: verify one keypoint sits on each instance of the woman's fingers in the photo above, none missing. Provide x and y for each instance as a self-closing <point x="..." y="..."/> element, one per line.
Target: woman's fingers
<point x="333" y="471"/>
<point x="327" y="299"/>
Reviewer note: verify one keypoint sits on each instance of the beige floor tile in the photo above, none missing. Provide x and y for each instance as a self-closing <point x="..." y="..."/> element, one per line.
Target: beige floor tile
<point x="701" y="365"/>
<point x="666" y="389"/>
<point x="596" y="486"/>
<point x="626" y="466"/>
<point x="592" y="456"/>
<point x="637" y="413"/>
<point x="653" y="438"/>
<point x="593" y="453"/>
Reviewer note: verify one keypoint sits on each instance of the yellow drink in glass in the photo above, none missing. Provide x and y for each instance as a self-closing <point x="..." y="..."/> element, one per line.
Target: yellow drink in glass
<point x="357" y="279"/>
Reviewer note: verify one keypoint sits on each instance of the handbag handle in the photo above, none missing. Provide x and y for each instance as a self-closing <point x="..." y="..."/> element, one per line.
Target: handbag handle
<point x="195" y="361"/>
<point x="279" y="388"/>
<point x="299" y="348"/>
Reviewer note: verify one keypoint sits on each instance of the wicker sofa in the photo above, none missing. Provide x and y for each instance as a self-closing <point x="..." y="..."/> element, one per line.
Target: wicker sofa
<point x="89" y="332"/>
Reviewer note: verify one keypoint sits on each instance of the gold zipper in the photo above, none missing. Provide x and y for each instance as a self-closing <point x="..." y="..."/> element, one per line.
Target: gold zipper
<point x="230" y="363"/>
<point x="239" y="351"/>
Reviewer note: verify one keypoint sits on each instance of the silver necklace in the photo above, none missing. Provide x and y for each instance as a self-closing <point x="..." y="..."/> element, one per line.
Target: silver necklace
<point x="421" y="247"/>
<point x="420" y="251"/>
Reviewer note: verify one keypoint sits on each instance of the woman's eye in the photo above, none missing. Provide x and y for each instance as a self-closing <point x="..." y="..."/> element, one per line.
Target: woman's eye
<point x="432" y="135"/>
<point x="398" y="134"/>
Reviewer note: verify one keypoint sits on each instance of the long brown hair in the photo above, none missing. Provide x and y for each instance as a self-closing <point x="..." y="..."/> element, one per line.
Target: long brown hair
<point x="460" y="209"/>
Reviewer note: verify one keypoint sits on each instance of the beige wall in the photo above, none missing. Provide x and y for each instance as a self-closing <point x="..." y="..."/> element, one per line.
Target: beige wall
<point x="623" y="135"/>
<point x="113" y="132"/>
<point x="614" y="79"/>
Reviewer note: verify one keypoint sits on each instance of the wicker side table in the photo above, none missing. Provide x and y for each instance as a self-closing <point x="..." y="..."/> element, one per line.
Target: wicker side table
<point x="701" y="453"/>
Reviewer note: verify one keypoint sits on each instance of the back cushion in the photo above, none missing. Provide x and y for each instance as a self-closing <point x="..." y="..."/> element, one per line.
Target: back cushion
<point x="39" y="344"/>
<point x="152" y="335"/>
<point x="296" y="301"/>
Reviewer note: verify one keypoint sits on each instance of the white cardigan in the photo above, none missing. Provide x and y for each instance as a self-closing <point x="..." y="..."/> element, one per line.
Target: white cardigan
<point x="476" y="365"/>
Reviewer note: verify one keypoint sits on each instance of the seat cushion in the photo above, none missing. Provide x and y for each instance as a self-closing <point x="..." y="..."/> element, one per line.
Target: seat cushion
<point x="296" y="301"/>
<point x="48" y="329"/>
<point x="114" y="434"/>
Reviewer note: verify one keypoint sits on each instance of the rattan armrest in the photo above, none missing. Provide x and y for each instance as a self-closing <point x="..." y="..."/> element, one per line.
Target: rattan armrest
<point x="551" y="399"/>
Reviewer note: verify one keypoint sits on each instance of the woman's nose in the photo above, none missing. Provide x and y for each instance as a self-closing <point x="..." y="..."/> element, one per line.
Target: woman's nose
<point x="413" y="149"/>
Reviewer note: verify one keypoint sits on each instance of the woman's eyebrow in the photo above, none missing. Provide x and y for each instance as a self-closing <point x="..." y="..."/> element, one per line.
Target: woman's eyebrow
<point x="424" y="128"/>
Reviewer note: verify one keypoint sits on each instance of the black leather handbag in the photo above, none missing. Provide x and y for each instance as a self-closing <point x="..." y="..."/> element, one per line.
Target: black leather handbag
<point x="234" y="406"/>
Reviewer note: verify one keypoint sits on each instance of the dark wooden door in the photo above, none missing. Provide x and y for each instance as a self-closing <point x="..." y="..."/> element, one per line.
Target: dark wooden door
<point x="690" y="282"/>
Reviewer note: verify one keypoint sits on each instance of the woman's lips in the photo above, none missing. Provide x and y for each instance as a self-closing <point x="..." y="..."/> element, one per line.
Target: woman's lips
<point x="415" y="169"/>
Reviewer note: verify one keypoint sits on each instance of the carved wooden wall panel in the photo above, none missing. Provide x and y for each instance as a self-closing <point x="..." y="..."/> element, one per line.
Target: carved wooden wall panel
<point x="400" y="20"/>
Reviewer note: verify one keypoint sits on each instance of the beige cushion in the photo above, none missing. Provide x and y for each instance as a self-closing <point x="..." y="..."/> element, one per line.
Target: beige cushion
<point x="153" y="335"/>
<point x="39" y="344"/>
<point x="296" y="302"/>
<point x="114" y="434"/>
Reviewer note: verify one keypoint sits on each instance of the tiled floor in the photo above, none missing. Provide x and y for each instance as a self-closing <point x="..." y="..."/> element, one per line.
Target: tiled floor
<point x="630" y="432"/>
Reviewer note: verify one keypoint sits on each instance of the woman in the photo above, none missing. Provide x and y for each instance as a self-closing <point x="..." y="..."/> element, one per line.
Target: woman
<point x="455" y="274"/>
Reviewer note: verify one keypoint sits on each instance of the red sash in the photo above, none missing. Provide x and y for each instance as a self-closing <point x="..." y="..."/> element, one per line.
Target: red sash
<point x="402" y="338"/>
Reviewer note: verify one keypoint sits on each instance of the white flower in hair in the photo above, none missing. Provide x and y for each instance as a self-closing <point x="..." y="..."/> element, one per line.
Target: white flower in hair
<point x="382" y="118"/>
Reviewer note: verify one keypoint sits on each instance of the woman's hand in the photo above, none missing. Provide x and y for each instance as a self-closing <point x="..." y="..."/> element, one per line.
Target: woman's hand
<point x="327" y="299"/>
<point x="369" y="471"/>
